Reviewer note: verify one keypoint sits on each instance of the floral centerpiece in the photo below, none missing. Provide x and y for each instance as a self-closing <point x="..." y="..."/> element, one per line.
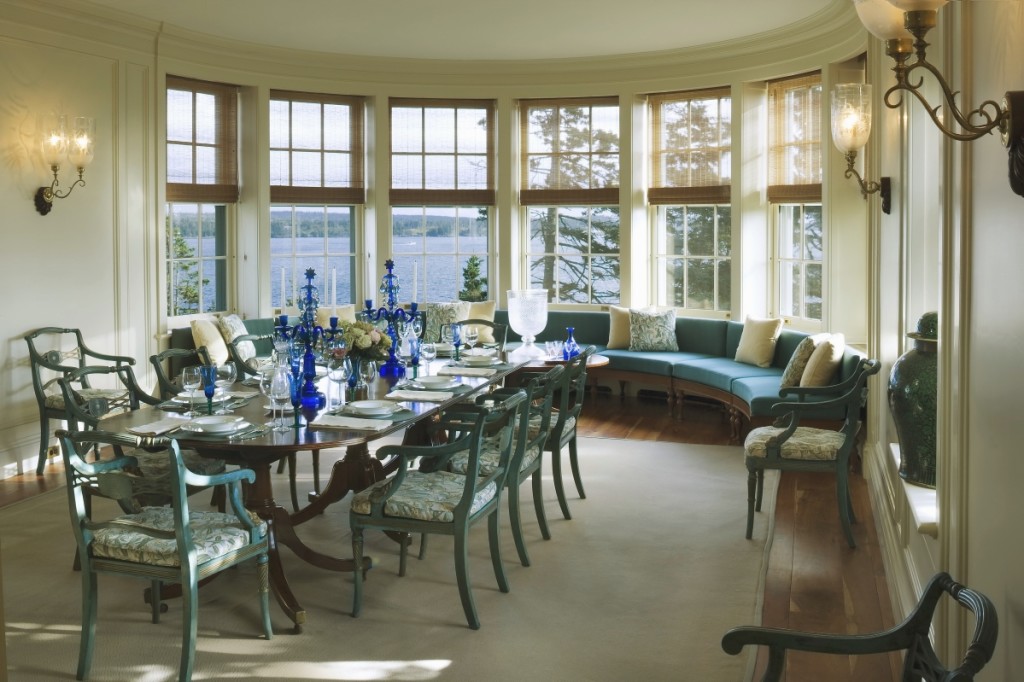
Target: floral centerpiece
<point x="363" y="341"/>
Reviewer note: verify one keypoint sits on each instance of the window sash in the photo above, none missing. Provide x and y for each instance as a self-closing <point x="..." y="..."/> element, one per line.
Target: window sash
<point x="703" y="184"/>
<point x="794" y="153"/>
<point x="215" y="158"/>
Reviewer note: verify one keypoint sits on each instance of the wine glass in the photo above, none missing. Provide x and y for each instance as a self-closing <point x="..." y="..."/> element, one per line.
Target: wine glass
<point x="281" y="393"/>
<point x="472" y="335"/>
<point x="368" y="373"/>
<point x="209" y="374"/>
<point x="428" y="351"/>
<point x="226" y="375"/>
<point x="191" y="380"/>
<point x="266" y="381"/>
<point x="339" y="369"/>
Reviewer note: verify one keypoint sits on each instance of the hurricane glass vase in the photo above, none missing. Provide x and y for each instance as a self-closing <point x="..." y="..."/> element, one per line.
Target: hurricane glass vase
<point x="528" y="315"/>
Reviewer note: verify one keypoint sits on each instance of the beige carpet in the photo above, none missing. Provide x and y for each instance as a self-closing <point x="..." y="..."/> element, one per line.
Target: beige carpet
<point x="640" y="585"/>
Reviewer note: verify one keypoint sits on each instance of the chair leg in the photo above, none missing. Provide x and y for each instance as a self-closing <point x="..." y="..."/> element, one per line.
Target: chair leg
<point x="88" y="636"/>
<point x="357" y="575"/>
<point x="291" y="482"/>
<point x="760" y="488"/>
<point x="574" y="463"/>
<point x="189" y="609"/>
<point x="154" y="601"/>
<point x="517" y="525"/>
<point x="403" y="553"/>
<point x="845" y="507"/>
<point x="751" y="486"/>
<point x="494" y="533"/>
<point x="316" y="471"/>
<point x="263" y="574"/>
<point x="556" y="473"/>
<point x="462" y="578"/>
<point x="538" y="505"/>
<point x="44" y="440"/>
<point x="423" y="547"/>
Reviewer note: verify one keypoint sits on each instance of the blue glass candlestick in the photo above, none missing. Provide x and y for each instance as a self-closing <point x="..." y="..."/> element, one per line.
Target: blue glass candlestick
<point x="396" y="318"/>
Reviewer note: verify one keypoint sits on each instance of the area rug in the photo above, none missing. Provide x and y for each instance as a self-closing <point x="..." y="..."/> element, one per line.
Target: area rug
<point x="639" y="585"/>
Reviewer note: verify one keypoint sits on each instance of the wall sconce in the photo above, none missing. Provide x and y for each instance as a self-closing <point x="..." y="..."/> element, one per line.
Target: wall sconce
<point x="851" y="127"/>
<point x="57" y="141"/>
<point x="903" y="24"/>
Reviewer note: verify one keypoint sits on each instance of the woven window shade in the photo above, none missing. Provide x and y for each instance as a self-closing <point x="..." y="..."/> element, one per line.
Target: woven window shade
<point x="206" y="149"/>
<point x="565" y="172"/>
<point x="342" y="186"/>
<point x="442" y="152"/>
<point x="794" y="139"/>
<point x="690" y="166"/>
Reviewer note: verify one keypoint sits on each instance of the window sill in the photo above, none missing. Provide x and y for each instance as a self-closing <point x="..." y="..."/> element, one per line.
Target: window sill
<point x="922" y="501"/>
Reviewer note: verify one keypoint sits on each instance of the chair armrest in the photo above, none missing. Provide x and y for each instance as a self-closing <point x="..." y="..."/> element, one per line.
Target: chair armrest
<point x="118" y="359"/>
<point x="783" y="640"/>
<point x="206" y="480"/>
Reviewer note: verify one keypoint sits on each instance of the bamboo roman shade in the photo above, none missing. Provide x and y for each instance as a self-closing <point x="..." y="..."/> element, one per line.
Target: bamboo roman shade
<point x="570" y="151"/>
<point x="202" y="141"/>
<point x="442" y="152"/>
<point x="316" y="148"/>
<point x="794" y="139"/>
<point x="691" y="147"/>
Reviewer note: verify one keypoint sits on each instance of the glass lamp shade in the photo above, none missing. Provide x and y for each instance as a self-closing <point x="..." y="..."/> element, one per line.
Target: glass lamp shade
<point x="54" y="140"/>
<point x="914" y="5"/>
<point x="851" y="116"/>
<point x="81" y="145"/>
<point x="882" y="19"/>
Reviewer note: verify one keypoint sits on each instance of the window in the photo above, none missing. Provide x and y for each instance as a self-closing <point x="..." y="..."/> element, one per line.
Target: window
<point x="442" y="193"/>
<point x="794" y="190"/>
<point x="316" y="184"/>
<point x="570" y="191"/>
<point x="691" y="162"/>
<point x="202" y="181"/>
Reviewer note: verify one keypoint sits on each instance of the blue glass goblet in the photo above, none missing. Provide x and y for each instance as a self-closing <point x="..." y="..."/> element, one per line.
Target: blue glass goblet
<point x="209" y="374"/>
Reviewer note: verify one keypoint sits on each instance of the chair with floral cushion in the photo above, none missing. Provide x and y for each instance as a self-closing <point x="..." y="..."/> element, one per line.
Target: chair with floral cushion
<point x="52" y="352"/>
<point x="434" y="500"/>
<point x="170" y="544"/>
<point x="242" y="351"/>
<point x="167" y="385"/>
<point x="788" y="446"/>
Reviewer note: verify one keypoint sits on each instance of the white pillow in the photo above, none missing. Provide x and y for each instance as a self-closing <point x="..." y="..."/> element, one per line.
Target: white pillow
<point x="618" y="327"/>
<point x="345" y="313"/>
<point x="821" y="368"/>
<point x="757" y="342"/>
<point x="231" y="327"/>
<point x="206" y="333"/>
<point x="483" y="310"/>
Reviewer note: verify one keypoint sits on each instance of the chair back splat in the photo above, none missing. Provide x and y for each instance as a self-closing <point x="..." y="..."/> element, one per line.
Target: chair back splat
<point x="910" y="636"/>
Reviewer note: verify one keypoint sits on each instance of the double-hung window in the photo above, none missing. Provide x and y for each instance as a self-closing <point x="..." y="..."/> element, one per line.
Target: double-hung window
<point x="442" y="196"/>
<point x="691" y="168"/>
<point x="569" y="188"/>
<point x="202" y="183"/>
<point x="794" y="192"/>
<point x="316" y="187"/>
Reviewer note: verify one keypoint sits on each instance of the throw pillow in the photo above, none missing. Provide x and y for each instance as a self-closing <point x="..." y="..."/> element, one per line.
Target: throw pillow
<point x="438" y="314"/>
<point x="231" y="327"/>
<point x="345" y="313"/>
<point x="652" y="330"/>
<point x="618" y="331"/>
<point x="206" y="333"/>
<point x="798" y="361"/>
<point x="757" y="342"/>
<point x="824" y="362"/>
<point x="483" y="310"/>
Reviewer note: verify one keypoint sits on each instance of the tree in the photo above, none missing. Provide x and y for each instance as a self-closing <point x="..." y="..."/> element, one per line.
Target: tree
<point x="183" y="292"/>
<point x="474" y="286"/>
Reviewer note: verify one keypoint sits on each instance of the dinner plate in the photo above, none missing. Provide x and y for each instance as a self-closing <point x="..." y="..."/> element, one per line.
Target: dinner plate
<point x="480" y="361"/>
<point x="433" y="383"/>
<point x="197" y="396"/>
<point x="288" y="409"/>
<point x="444" y="348"/>
<point x="216" y="424"/>
<point x="372" y="407"/>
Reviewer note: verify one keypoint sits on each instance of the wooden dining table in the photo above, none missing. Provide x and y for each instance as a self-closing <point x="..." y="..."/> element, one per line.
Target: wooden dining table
<point x="353" y="472"/>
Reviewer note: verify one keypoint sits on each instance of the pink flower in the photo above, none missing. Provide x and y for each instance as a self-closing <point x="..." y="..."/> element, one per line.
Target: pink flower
<point x="375" y="336"/>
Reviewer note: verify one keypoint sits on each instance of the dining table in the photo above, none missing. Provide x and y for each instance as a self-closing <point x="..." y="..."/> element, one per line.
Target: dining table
<point x="260" y="447"/>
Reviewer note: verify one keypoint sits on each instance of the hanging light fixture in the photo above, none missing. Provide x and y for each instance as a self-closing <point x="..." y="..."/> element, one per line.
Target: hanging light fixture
<point x="851" y="127"/>
<point x="58" y="142"/>
<point x="903" y="25"/>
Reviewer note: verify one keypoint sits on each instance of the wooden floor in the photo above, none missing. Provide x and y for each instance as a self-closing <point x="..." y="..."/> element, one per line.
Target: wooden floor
<point x="815" y="581"/>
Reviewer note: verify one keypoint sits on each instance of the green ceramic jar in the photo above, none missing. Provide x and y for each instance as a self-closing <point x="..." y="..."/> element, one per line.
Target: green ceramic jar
<point x="913" y="401"/>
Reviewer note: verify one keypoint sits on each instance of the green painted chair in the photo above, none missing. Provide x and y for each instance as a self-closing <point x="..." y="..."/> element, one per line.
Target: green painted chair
<point x="529" y="440"/>
<point x="788" y="446"/>
<point x="434" y="500"/>
<point x="52" y="352"/>
<point x="498" y="332"/>
<point x="242" y="350"/>
<point x="912" y="636"/>
<point x="168" y="385"/>
<point x="159" y="544"/>
<point x="569" y="401"/>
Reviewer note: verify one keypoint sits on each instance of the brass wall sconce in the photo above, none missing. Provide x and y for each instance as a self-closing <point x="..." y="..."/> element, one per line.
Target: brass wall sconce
<point x="903" y="24"/>
<point x="851" y="127"/>
<point x="58" y="141"/>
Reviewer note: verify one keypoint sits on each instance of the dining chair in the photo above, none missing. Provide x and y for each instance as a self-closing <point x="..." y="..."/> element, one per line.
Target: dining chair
<point x="434" y="500"/>
<point x="242" y="351"/>
<point x="168" y="385"/>
<point x="168" y="544"/>
<point x="52" y="352"/>
<point x="529" y="440"/>
<point x="789" y="446"/>
<point x="495" y="336"/>
<point x="569" y="399"/>
<point x="912" y="636"/>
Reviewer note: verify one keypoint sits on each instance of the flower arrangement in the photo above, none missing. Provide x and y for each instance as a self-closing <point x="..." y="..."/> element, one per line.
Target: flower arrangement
<point x="365" y="341"/>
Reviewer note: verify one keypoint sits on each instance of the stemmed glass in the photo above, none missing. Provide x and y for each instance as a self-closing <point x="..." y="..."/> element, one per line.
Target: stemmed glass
<point x="266" y="382"/>
<point x="281" y="393"/>
<point x="339" y="369"/>
<point x="191" y="380"/>
<point x="471" y="337"/>
<point x="428" y="351"/>
<point x="209" y="374"/>
<point x="368" y="373"/>
<point x="226" y="375"/>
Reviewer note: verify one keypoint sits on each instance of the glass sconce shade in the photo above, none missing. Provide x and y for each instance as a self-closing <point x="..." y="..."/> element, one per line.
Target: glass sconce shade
<point x="81" y="145"/>
<point x="882" y="19"/>
<point x="851" y="116"/>
<point x="54" y="139"/>
<point x="915" y="5"/>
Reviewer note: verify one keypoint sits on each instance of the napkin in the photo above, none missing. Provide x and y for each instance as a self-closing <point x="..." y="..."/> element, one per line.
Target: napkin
<point x="330" y="421"/>
<point x="421" y="396"/>
<point x="467" y="371"/>
<point x="156" y="428"/>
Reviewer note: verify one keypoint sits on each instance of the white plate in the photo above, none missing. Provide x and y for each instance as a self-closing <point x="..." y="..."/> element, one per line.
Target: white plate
<point x="444" y="348"/>
<point x="216" y="424"/>
<point x="480" y="361"/>
<point x="372" y="407"/>
<point x="288" y="409"/>
<point x="197" y="396"/>
<point x="434" y="383"/>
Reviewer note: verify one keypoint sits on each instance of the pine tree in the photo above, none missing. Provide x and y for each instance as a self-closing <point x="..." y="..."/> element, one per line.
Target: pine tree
<point x="474" y="286"/>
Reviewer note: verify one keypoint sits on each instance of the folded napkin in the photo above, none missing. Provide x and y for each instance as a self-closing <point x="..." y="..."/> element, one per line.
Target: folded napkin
<point x="420" y="396"/>
<point x="467" y="371"/>
<point x="331" y="421"/>
<point x="157" y="428"/>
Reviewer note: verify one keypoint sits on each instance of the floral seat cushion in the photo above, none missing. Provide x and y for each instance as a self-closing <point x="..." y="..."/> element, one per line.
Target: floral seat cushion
<point x="157" y="464"/>
<point x="213" y="534"/>
<point x="535" y="420"/>
<point x="490" y="455"/>
<point x="112" y="395"/>
<point x="806" y="443"/>
<point x="424" y="496"/>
